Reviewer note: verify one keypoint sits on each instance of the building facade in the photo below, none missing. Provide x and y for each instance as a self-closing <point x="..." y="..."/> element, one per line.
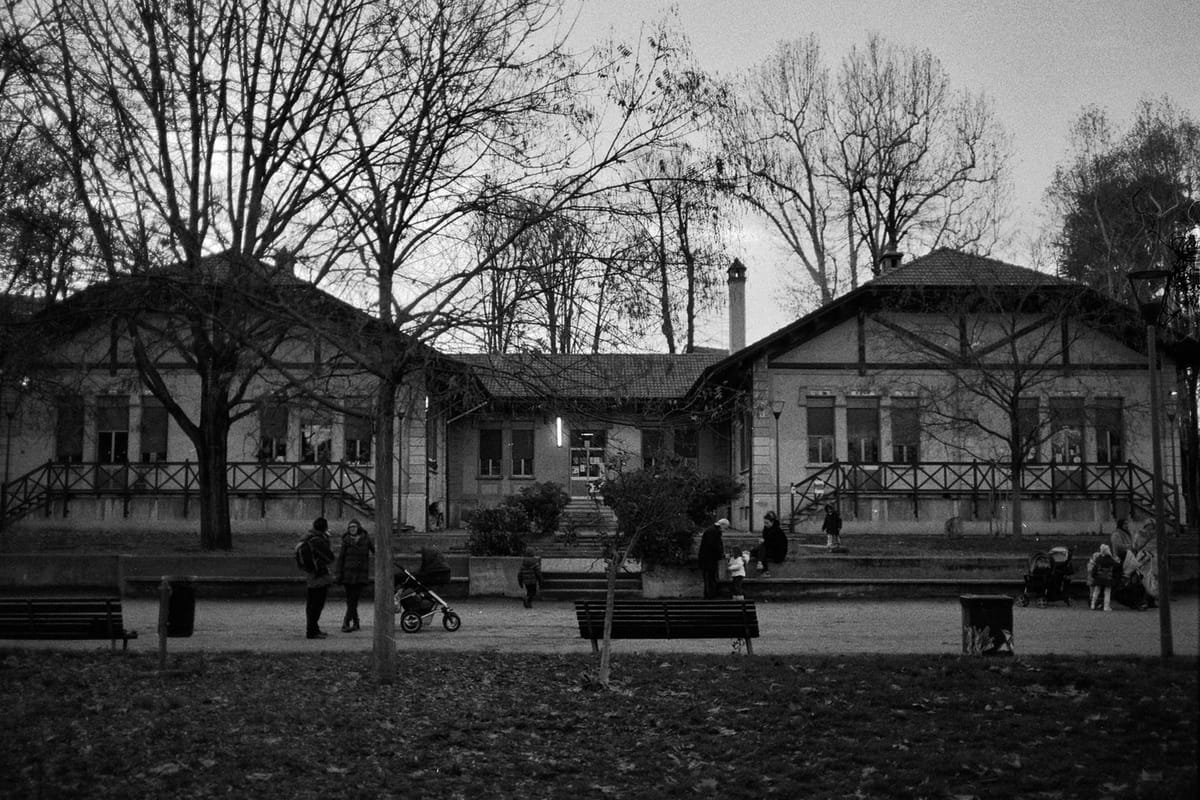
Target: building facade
<point x="900" y="402"/>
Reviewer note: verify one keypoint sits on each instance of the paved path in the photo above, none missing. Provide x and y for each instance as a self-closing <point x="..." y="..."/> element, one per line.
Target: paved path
<point x="788" y="627"/>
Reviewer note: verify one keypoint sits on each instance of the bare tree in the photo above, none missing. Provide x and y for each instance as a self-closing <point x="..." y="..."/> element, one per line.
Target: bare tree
<point x="460" y="107"/>
<point x="920" y="160"/>
<point x="185" y="129"/>
<point x="880" y="155"/>
<point x="675" y="230"/>
<point x="773" y="128"/>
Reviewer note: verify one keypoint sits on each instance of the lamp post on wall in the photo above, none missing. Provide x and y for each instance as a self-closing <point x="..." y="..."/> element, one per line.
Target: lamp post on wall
<point x="1150" y="287"/>
<point x="776" y="409"/>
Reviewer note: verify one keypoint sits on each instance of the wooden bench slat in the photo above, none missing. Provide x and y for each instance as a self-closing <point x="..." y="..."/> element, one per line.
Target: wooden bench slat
<point x="64" y="618"/>
<point x="670" y="619"/>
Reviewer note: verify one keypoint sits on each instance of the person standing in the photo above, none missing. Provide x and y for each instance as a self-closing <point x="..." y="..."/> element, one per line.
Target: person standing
<point x="353" y="570"/>
<point x="316" y="553"/>
<point x="712" y="551"/>
<point x="737" y="570"/>
<point x="529" y="577"/>
<point x="832" y="527"/>
<point x="1101" y="575"/>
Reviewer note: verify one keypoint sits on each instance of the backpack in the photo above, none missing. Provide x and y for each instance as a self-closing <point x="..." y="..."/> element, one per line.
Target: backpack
<point x="304" y="557"/>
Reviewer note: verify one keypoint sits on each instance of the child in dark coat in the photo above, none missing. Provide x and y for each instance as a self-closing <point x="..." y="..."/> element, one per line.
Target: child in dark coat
<point x="530" y="576"/>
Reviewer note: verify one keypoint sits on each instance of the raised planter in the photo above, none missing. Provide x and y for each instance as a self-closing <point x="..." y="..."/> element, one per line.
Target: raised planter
<point x="672" y="582"/>
<point x="494" y="576"/>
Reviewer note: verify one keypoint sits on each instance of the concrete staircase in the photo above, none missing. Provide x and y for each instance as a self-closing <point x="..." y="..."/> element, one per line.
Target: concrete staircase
<point x="583" y="517"/>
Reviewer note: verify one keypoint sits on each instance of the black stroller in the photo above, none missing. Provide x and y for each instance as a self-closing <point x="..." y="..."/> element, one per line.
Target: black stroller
<point x="1049" y="577"/>
<point x="416" y="603"/>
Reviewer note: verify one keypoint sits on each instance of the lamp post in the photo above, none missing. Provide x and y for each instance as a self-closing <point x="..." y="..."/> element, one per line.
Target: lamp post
<point x="777" y="409"/>
<point x="1150" y="287"/>
<point x="1172" y="408"/>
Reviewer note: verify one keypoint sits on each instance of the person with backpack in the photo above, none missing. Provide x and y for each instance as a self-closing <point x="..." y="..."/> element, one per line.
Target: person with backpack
<point x="314" y="555"/>
<point x="353" y="570"/>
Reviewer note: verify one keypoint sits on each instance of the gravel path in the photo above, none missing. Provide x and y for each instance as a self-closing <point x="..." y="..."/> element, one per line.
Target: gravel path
<point x="788" y="627"/>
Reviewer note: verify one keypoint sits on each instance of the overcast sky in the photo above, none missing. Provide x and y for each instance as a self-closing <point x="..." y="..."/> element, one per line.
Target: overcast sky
<point x="1040" y="62"/>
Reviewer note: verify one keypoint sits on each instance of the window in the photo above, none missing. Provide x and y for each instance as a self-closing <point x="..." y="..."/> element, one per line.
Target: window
<point x="1109" y="426"/>
<point x="687" y="445"/>
<point x="153" y="430"/>
<point x="653" y="443"/>
<point x="1029" y="427"/>
<point x="491" y="451"/>
<point x="272" y="426"/>
<point x="316" y="440"/>
<point x="68" y="430"/>
<point x="112" y="429"/>
<point x="906" y="430"/>
<point x="820" y="429"/>
<point x="357" y="431"/>
<point x="862" y="429"/>
<point x="522" y="453"/>
<point x="1066" y="430"/>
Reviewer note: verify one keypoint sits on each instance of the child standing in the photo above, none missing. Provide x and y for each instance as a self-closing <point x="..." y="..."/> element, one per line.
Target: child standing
<point x="737" y="570"/>
<point x="1101" y="574"/>
<point x="530" y="575"/>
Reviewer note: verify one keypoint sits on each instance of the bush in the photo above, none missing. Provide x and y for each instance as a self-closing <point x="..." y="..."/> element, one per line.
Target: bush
<point x="709" y="493"/>
<point x="499" y="531"/>
<point x="664" y="509"/>
<point x="543" y="504"/>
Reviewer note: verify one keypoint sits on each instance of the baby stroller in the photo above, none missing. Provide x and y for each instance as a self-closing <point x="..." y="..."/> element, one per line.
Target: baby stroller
<point x="1048" y="578"/>
<point x="416" y="604"/>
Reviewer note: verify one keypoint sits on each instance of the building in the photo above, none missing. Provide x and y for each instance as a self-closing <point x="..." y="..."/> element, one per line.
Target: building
<point x="877" y="401"/>
<point x="898" y="402"/>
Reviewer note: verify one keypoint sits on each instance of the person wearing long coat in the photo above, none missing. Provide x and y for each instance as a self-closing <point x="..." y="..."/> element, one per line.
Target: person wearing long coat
<point x="353" y="570"/>
<point x="318" y="576"/>
<point x="774" y="543"/>
<point x="710" y="555"/>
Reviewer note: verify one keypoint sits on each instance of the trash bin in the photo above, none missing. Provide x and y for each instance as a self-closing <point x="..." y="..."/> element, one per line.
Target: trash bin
<point x="181" y="607"/>
<point x="987" y="624"/>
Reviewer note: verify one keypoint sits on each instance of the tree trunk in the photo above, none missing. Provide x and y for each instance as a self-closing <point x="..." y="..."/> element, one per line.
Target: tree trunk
<point x="610" y="594"/>
<point x="1018" y="522"/>
<point x="212" y="453"/>
<point x="384" y="645"/>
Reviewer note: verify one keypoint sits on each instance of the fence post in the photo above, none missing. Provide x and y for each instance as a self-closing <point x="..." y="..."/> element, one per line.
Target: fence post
<point x="164" y="600"/>
<point x="187" y="482"/>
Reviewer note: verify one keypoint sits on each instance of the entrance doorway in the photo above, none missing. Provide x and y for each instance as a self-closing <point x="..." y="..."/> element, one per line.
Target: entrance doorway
<point x="587" y="460"/>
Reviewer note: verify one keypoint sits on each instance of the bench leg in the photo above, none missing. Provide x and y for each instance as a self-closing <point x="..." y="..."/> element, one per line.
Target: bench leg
<point x="595" y="646"/>
<point x="749" y="646"/>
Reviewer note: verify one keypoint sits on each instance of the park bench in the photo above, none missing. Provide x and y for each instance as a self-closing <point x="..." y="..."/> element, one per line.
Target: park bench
<point x="64" y="618"/>
<point x="670" y="619"/>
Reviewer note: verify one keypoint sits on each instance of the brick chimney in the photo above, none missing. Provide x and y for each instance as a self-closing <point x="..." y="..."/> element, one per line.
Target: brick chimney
<point x="737" y="306"/>
<point x="890" y="259"/>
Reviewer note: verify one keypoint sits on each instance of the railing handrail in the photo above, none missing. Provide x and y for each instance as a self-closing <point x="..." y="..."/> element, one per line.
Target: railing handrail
<point x="353" y="482"/>
<point x="1128" y="481"/>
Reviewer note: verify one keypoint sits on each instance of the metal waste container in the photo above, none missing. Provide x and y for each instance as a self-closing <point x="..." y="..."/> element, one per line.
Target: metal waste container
<point x="181" y="607"/>
<point x="987" y="624"/>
